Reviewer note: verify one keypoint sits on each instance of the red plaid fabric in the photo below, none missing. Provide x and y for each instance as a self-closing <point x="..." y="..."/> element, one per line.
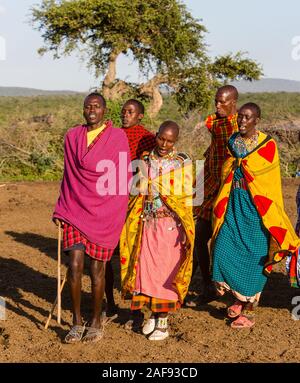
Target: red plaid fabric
<point x="221" y="129"/>
<point x="72" y="237"/>
<point x="140" y="140"/>
<point x="156" y="305"/>
<point x="298" y="210"/>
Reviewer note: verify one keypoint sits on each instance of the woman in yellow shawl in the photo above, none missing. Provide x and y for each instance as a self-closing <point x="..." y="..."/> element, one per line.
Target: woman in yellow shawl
<point x="251" y="230"/>
<point x="156" y="244"/>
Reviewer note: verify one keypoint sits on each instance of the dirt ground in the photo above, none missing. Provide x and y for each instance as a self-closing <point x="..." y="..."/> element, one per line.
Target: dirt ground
<point x="28" y="285"/>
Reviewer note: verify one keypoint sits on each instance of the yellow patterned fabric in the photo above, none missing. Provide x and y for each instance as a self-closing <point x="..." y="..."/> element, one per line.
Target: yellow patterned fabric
<point x="261" y="170"/>
<point x="92" y="134"/>
<point x="175" y="190"/>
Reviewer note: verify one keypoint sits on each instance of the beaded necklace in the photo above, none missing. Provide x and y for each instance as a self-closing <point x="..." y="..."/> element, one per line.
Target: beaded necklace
<point x="245" y="145"/>
<point x="156" y="166"/>
<point x="161" y="162"/>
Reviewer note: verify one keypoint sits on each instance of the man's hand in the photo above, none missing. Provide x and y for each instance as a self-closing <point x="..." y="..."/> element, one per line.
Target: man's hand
<point x="298" y="228"/>
<point x="56" y="221"/>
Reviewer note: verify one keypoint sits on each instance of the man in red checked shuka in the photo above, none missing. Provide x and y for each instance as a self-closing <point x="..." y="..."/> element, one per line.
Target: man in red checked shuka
<point x="221" y="125"/>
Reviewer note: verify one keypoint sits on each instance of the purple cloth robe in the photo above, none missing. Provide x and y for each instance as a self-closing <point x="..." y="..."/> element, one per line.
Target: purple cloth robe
<point x="82" y="201"/>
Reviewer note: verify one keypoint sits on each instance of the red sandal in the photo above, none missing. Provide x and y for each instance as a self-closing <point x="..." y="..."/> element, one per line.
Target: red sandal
<point x="243" y="322"/>
<point x="235" y="310"/>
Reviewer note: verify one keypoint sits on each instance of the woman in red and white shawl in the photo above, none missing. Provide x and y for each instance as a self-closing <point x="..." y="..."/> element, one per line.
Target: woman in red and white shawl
<point x="92" y="206"/>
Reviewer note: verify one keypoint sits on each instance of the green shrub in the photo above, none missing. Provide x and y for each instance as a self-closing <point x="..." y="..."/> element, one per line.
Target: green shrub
<point x="32" y="148"/>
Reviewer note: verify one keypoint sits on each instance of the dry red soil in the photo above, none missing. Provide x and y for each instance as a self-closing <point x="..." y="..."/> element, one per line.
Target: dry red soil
<point x="28" y="285"/>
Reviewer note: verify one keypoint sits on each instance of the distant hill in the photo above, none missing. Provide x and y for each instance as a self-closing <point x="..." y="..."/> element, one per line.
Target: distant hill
<point x="263" y="85"/>
<point x="268" y="85"/>
<point x="15" y="91"/>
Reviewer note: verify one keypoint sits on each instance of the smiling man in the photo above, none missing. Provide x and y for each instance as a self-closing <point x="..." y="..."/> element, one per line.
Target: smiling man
<point x="92" y="223"/>
<point x="221" y="125"/>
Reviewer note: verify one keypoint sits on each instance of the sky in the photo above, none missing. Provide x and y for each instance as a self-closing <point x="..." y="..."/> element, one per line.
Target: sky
<point x="269" y="30"/>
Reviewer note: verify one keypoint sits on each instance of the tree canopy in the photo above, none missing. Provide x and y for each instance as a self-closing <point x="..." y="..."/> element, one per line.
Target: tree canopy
<point x="161" y="35"/>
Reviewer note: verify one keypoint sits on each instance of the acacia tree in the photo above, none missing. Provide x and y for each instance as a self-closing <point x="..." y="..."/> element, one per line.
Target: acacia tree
<point x="161" y="35"/>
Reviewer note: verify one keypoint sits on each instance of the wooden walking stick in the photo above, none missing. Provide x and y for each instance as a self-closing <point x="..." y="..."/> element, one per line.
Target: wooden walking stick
<point x="59" y="274"/>
<point x="60" y="285"/>
<point x="55" y="302"/>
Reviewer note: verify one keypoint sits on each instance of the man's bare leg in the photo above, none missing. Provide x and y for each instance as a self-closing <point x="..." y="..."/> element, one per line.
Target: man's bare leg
<point x="74" y="277"/>
<point x="111" y="308"/>
<point x="95" y="329"/>
<point x="98" y="286"/>
<point x="203" y="233"/>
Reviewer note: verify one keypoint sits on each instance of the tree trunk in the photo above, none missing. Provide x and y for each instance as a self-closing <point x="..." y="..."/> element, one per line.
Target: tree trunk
<point x="156" y="103"/>
<point x="110" y="75"/>
<point x="151" y="89"/>
<point x="113" y="89"/>
<point x="119" y="89"/>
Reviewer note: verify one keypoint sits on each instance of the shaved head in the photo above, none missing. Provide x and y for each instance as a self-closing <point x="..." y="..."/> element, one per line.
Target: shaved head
<point x="169" y="126"/>
<point x="96" y="95"/>
<point x="253" y="107"/>
<point x="225" y="101"/>
<point x="140" y="107"/>
<point x="230" y="90"/>
<point x="166" y="137"/>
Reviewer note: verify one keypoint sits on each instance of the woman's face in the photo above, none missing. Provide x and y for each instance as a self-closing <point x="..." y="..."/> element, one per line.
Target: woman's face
<point x="247" y="121"/>
<point x="165" y="141"/>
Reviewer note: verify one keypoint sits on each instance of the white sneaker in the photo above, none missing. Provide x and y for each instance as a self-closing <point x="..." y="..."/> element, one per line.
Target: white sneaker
<point x="149" y="326"/>
<point x="159" y="335"/>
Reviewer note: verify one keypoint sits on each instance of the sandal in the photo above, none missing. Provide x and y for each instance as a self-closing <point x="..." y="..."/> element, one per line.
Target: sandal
<point x="129" y="325"/>
<point x="93" y="334"/>
<point x="106" y="319"/>
<point x="75" y="334"/>
<point x="235" y="310"/>
<point x="135" y="323"/>
<point x="111" y="311"/>
<point x="243" y="322"/>
<point x="191" y="301"/>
